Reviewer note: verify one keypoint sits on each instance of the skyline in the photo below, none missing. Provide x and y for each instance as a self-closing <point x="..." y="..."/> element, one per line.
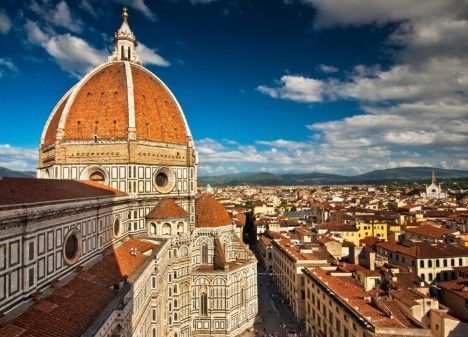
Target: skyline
<point x="333" y="88"/>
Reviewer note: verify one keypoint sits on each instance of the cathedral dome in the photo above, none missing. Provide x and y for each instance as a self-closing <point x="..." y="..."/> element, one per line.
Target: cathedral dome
<point x="210" y="213"/>
<point x="119" y="113"/>
<point x="119" y="100"/>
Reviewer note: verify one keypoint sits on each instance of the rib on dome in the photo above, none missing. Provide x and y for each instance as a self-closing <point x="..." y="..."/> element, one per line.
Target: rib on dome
<point x="210" y="213"/>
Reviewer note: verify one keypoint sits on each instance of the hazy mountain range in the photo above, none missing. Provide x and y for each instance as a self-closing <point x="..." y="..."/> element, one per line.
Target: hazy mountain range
<point x="4" y="172"/>
<point x="312" y="178"/>
<point x="315" y="178"/>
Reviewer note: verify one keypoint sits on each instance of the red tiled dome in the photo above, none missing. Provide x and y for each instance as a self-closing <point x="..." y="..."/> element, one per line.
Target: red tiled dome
<point x="210" y="213"/>
<point x="167" y="208"/>
<point x="114" y="100"/>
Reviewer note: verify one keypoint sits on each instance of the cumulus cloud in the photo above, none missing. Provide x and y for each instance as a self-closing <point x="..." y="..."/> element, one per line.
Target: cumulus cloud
<point x="91" y="6"/>
<point x="58" y="15"/>
<point x="149" y="56"/>
<point x="295" y="88"/>
<point x="413" y="112"/>
<point x="359" y="12"/>
<point x="72" y="53"/>
<point x="279" y="156"/>
<point x="5" y="23"/>
<point x="18" y="158"/>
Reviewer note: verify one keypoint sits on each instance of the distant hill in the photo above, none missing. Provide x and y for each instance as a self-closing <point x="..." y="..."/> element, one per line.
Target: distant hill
<point x="4" y="172"/>
<point x="316" y="178"/>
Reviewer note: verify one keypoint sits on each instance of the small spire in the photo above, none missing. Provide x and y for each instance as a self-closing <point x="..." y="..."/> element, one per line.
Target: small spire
<point x="124" y="14"/>
<point x="433" y="177"/>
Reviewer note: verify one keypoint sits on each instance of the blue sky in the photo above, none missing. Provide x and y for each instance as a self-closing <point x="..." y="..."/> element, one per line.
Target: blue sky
<point x="344" y="86"/>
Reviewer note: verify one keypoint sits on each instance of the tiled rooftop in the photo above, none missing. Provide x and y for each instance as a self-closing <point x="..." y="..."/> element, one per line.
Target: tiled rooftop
<point x="71" y="309"/>
<point x="425" y="250"/>
<point x="351" y="292"/>
<point x="29" y="190"/>
<point x="167" y="208"/>
<point x="210" y="213"/>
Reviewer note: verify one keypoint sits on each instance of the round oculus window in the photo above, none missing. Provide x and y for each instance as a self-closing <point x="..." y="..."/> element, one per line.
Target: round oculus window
<point x="161" y="179"/>
<point x="72" y="247"/>
<point x="164" y="180"/>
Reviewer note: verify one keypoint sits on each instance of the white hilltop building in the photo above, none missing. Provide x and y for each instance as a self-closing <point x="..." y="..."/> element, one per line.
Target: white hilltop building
<point x="112" y="239"/>
<point x="434" y="190"/>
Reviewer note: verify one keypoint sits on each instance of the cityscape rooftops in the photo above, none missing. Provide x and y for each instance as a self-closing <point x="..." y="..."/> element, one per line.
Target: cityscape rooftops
<point x="424" y="250"/>
<point x="364" y="303"/>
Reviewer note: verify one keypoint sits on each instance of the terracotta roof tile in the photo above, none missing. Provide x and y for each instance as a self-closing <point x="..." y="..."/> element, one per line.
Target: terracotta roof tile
<point x="59" y="316"/>
<point x="425" y="250"/>
<point x="100" y="107"/>
<point x="51" y="132"/>
<point x="210" y="213"/>
<point x="30" y="190"/>
<point x="167" y="208"/>
<point x="431" y="231"/>
<point x="158" y="118"/>
<point x="350" y="291"/>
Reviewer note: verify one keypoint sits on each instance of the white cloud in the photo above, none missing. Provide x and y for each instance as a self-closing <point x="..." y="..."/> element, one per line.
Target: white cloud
<point x="18" y="158"/>
<point x="58" y="15"/>
<point x="296" y="88"/>
<point x="414" y="111"/>
<point x="72" y="53"/>
<point x="149" y="56"/>
<point x="358" y="12"/>
<point x="5" y="23"/>
<point x="327" y="69"/>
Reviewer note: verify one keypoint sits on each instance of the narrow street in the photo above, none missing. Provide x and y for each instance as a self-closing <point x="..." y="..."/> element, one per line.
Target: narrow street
<point x="274" y="317"/>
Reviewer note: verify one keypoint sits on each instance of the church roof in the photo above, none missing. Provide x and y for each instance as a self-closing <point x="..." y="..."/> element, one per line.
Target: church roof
<point x="30" y="190"/>
<point x="71" y="309"/>
<point x="210" y="213"/>
<point x="167" y="208"/>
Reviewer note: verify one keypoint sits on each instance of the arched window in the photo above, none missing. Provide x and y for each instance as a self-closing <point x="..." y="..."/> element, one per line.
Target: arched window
<point x="437" y="263"/>
<point x="421" y="264"/>
<point x="423" y="277"/>
<point x="166" y="229"/>
<point x="452" y="262"/>
<point x="152" y="228"/>
<point x="180" y="228"/>
<point x="430" y="277"/>
<point x="122" y="56"/>
<point x="204" y="253"/>
<point x="445" y="262"/>
<point x="203" y="304"/>
<point x="128" y="53"/>
<point x="175" y="304"/>
<point x="429" y="263"/>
